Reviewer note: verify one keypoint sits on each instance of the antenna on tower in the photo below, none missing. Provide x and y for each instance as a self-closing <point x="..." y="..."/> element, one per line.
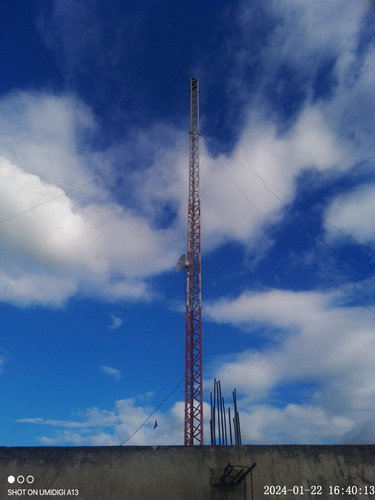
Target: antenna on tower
<point x="182" y="263"/>
<point x="193" y="432"/>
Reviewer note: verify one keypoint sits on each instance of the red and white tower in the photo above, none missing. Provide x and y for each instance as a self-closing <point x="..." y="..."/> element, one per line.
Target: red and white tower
<point x="193" y="360"/>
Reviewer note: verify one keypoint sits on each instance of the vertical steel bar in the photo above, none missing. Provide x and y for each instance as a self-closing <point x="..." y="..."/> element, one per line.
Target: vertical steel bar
<point x="239" y="429"/>
<point x="214" y="413"/>
<point x="221" y="416"/>
<point x="211" y="419"/>
<point x="235" y="416"/>
<point x="230" y="427"/>
<point x="225" y="424"/>
<point x="218" y="411"/>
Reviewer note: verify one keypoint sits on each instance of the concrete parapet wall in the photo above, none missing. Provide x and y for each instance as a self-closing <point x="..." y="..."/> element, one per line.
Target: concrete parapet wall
<point x="194" y="473"/>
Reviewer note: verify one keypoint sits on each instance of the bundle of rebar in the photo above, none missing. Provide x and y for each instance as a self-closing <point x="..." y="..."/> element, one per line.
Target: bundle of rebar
<point x="219" y="422"/>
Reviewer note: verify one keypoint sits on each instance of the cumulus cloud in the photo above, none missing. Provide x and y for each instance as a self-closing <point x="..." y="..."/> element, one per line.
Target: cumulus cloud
<point x="311" y="340"/>
<point x="58" y="236"/>
<point x="55" y="242"/>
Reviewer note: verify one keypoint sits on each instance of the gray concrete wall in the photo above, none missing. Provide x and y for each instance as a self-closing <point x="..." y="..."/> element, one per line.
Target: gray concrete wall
<point x="179" y="473"/>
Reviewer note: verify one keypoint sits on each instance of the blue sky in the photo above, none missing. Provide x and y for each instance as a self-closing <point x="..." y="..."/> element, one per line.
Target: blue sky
<point x="94" y="118"/>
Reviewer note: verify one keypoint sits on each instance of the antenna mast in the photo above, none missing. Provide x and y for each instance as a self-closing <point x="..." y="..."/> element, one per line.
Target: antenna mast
<point x="193" y="356"/>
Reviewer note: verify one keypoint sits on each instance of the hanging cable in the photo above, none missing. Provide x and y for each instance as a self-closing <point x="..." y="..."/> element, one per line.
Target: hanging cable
<point x="154" y="411"/>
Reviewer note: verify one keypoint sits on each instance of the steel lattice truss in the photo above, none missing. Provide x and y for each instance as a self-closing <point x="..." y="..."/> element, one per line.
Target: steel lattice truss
<point x="193" y="372"/>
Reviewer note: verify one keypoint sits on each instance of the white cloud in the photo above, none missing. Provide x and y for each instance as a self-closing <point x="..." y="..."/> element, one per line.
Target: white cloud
<point x="113" y="372"/>
<point x="88" y="242"/>
<point x="310" y="340"/>
<point x="55" y="244"/>
<point x="128" y="241"/>
<point x="116" y="322"/>
<point x="350" y="110"/>
<point x="45" y="135"/>
<point x="304" y="45"/>
<point x="131" y="420"/>
<point x="233" y="195"/>
<point x="318" y="29"/>
<point x="265" y="424"/>
<point x="24" y="288"/>
<point x="42" y="249"/>
<point x="58" y="236"/>
<point x="280" y="307"/>
<point x="352" y="213"/>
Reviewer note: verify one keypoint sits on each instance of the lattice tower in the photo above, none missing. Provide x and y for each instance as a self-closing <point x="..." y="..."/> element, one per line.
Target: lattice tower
<point x="193" y="359"/>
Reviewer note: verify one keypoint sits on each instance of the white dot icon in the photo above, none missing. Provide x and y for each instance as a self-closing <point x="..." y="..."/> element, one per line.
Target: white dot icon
<point x="11" y="479"/>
